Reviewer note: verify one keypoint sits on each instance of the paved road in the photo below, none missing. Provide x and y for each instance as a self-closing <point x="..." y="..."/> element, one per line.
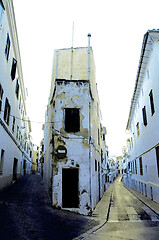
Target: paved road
<point x="129" y="218"/>
<point x="26" y="214"/>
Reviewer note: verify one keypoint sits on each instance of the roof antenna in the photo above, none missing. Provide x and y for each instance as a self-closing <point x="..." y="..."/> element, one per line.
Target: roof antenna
<point x="72" y="33"/>
<point x="89" y="70"/>
<point x="72" y="50"/>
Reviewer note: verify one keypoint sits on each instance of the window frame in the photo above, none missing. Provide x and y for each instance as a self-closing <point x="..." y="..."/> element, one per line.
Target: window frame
<point x="72" y="115"/>
<point x="144" y="115"/>
<point x="152" y="103"/>
<point x="7" y="48"/>
<point x="13" y="69"/>
<point x="1" y="96"/>
<point x="138" y="129"/>
<point x="2" y="161"/>
<point x="17" y="88"/>
<point x="7" y="110"/>
<point x="157" y="159"/>
<point x="141" y="166"/>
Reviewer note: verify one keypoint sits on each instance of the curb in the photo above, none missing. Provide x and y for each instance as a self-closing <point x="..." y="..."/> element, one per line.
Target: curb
<point x="146" y="204"/>
<point x="91" y="231"/>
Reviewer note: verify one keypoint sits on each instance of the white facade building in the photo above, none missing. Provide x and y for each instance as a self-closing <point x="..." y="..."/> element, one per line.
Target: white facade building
<point x="74" y="139"/>
<point x="143" y="122"/>
<point x="15" y="142"/>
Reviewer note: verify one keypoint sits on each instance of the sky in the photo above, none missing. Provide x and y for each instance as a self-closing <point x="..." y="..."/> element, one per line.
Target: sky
<point x="117" y="29"/>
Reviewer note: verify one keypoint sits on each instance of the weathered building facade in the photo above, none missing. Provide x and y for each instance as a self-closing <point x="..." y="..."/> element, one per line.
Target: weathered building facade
<point x="73" y="133"/>
<point x="15" y="127"/>
<point x="143" y="123"/>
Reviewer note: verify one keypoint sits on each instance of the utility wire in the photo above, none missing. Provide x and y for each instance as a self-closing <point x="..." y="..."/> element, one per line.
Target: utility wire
<point x="45" y="123"/>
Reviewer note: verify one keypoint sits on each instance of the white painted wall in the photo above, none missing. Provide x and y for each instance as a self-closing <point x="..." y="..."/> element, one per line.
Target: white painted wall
<point x="144" y="145"/>
<point x="13" y="147"/>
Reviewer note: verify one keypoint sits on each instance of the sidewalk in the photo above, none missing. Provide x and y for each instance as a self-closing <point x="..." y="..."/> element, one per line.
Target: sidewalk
<point x="100" y="213"/>
<point x="147" y="201"/>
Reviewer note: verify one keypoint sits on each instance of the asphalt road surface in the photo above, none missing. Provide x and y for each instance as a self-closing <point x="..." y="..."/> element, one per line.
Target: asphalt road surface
<point x="129" y="218"/>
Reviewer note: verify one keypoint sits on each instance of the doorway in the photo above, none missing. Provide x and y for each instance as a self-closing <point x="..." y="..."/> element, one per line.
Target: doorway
<point x="15" y="165"/>
<point x="70" y="193"/>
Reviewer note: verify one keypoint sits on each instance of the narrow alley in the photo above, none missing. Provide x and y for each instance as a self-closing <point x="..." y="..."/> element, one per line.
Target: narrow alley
<point x="26" y="214"/>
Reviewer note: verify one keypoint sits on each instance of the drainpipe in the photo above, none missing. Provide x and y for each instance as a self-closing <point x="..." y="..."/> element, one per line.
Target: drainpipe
<point x="53" y="135"/>
<point x="72" y="52"/>
<point x="90" y="172"/>
<point x="89" y="36"/>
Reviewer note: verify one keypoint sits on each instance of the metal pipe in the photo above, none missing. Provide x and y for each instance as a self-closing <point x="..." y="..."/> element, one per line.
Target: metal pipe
<point x="89" y="36"/>
<point x="90" y="172"/>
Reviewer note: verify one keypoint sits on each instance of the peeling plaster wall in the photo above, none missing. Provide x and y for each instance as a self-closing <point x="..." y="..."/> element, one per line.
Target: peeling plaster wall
<point x="70" y="88"/>
<point x="72" y="95"/>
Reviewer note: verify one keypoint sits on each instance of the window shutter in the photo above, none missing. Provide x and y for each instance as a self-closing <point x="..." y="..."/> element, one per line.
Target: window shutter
<point x="13" y="71"/>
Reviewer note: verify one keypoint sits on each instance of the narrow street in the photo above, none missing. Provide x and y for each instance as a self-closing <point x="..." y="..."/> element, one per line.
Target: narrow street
<point x="26" y="214"/>
<point x="128" y="218"/>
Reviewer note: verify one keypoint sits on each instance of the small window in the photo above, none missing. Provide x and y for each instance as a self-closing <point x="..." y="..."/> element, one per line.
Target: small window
<point x="144" y="116"/>
<point x="72" y="120"/>
<point x="13" y="70"/>
<point x="103" y="136"/>
<point x="7" y="111"/>
<point x="152" y="102"/>
<point x="98" y="137"/>
<point x="1" y="161"/>
<point x="13" y="125"/>
<point x="17" y="89"/>
<point x="95" y="165"/>
<point x="135" y="167"/>
<point x="157" y="158"/>
<point x="141" y="166"/>
<point x="1" y="96"/>
<point x="7" y="48"/>
<point x="138" y="130"/>
<point x="17" y="135"/>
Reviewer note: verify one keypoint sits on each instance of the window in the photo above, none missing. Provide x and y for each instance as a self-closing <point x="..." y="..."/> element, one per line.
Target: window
<point x="135" y="167"/>
<point x="7" y="48"/>
<point x="13" y="124"/>
<point x="98" y="137"/>
<point x="17" y="132"/>
<point x="13" y="70"/>
<point x="141" y="167"/>
<point x="157" y="158"/>
<point x="20" y="102"/>
<point x="138" y="130"/>
<point x="144" y="116"/>
<point x="1" y="96"/>
<point x="17" y="89"/>
<point x="7" y="111"/>
<point x="103" y="136"/>
<point x="1" y="161"/>
<point x="72" y="120"/>
<point x="152" y="102"/>
<point x="95" y="165"/>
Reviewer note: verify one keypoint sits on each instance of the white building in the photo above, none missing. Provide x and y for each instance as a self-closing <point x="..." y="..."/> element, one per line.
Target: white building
<point x="74" y="136"/>
<point x="143" y="121"/>
<point x="15" y="142"/>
